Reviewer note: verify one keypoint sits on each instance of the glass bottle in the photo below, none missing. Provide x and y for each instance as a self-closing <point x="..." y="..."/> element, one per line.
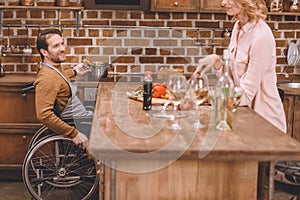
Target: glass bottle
<point x="147" y="95"/>
<point x="224" y="97"/>
<point x="276" y="6"/>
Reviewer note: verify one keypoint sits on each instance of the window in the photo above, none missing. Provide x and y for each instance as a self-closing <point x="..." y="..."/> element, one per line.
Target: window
<point x="117" y="4"/>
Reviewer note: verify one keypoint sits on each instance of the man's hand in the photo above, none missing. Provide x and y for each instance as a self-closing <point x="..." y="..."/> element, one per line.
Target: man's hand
<point x="81" y="140"/>
<point x="81" y="69"/>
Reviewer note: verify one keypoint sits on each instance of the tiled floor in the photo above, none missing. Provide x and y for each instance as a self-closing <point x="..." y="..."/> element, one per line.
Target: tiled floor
<point x="17" y="191"/>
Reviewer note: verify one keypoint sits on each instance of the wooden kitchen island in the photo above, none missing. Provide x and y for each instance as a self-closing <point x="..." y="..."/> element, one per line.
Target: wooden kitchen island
<point x="144" y="159"/>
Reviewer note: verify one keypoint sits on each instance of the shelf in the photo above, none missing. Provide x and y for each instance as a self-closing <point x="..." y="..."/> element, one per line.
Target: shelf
<point x="42" y="7"/>
<point x="284" y="13"/>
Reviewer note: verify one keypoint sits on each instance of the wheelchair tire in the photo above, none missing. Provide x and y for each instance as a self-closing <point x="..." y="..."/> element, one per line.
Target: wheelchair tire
<point x="55" y="168"/>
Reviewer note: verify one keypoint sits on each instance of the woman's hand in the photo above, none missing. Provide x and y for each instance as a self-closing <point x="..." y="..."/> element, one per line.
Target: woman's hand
<point x="81" y="69"/>
<point x="205" y="64"/>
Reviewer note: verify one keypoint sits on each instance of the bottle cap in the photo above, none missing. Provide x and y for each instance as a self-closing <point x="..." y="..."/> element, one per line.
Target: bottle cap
<point x="147" y="73"/>
<point x="226" y="54"/>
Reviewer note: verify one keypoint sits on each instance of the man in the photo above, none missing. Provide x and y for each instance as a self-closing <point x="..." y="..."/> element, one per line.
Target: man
<point x="55" y="93"/>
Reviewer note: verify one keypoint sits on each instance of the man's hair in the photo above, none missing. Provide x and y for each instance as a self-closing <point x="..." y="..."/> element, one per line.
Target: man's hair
<point x="41" y="42"/>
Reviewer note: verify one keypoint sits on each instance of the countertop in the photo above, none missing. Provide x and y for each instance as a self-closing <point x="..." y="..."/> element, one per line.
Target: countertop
<point x="117" y="117"/>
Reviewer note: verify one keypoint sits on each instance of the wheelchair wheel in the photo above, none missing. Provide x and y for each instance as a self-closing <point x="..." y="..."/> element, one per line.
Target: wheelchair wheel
<point x="55" y="168"/>
<point x="41" y="134"/>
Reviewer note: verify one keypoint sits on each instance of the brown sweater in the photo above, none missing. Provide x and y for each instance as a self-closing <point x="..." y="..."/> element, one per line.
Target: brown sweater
<point x="50" y="86"/>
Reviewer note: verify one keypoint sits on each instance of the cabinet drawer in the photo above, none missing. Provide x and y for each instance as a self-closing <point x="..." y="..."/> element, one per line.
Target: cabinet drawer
<point x="14" y="142"/>
<point x="175" y="5"/>
<point x="211" y="5"/>
<point x="16" y="106"/>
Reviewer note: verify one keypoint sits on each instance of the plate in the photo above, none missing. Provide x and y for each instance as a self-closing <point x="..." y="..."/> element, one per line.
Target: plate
<point x="293" y="54"/>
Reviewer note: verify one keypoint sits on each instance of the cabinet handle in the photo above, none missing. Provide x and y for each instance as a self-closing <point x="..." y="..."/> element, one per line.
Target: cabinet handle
<point x="24" y="137"/>
<point x="24" y="95"/>
<point x="176" y="3"/>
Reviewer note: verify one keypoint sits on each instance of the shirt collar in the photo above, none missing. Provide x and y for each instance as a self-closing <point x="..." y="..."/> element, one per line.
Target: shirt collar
<point x="247" y="27"/>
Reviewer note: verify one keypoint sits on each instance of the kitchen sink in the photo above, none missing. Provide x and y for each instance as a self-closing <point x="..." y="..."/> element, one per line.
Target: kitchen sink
<point x="289" y="85"/>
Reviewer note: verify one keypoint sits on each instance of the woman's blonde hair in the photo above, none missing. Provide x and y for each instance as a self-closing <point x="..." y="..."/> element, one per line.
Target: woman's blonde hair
<point x="254" y="9"/>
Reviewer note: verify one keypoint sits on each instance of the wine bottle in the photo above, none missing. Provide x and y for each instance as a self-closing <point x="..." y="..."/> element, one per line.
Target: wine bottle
<point x="147" y="95"/>
<point x="224" y="97"/>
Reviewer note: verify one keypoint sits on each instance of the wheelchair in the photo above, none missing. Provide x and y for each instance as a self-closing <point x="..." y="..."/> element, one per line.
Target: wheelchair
<point x="55" y="168"/>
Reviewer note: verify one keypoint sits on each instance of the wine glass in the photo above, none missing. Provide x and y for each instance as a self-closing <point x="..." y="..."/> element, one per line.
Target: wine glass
<point x="199" y="93"/>
<point x="177" y="88"/>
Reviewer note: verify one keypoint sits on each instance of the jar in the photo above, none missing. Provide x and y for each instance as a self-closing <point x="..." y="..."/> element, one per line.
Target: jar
<point x="294" y="7"/>
<point x="27" y="2"/>
<point x="63" y="3"/>
<point x="276" y="6"/>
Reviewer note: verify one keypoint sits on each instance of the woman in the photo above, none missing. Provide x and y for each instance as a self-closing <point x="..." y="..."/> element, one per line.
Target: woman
<point x="252" y="59"/>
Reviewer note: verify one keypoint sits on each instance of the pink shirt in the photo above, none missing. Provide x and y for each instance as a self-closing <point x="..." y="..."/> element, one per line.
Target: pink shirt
<point x="253" y="60"/>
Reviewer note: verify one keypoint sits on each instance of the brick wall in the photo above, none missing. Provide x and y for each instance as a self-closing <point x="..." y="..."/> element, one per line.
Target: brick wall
<point x="135" y="41"/>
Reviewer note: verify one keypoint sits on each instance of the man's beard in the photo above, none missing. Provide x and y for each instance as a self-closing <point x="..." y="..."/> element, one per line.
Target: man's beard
<point x="58" y="60"/>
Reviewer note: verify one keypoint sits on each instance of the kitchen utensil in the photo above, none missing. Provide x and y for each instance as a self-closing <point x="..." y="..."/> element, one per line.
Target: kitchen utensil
<point x="293" y="54"/>
<point x="99" y="70"/>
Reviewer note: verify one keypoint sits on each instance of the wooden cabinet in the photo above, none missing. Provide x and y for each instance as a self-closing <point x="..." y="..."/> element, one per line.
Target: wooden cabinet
<point x="18" y="124"/>
<point x="185" y="5"/>
<point x="291" y="104"/>
<point x="175" y="5"/>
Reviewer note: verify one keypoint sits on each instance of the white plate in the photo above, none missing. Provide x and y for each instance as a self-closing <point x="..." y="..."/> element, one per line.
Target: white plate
<point x="293" y="54"/>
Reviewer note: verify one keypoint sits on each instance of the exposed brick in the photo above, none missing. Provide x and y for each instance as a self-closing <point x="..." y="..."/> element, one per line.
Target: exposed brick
<point x="79" y="50"/>
<point x="288" y="26"/>
<point x="165" y="51"/>
<point x="123" y="23"/>
<point x="179" y="24"/>
<point x="121" y="14"/>
<point x="135" y="15"/>
<point x="281" y="43"/>
<point x="178" y="60"/>
<point x="138" y="51"/>
<point x="123" y="59"/>
<point x="94" y="50"/>
<point x="192" y="15"/>
<point x="207" y="24"/>
<point x="135" y="33"/>
<point x="108" y="33"/>
<point x="152" y="23"/>
<point x="38" y="14"/>
<point x="151" y="51"/>
<point x="109" y="42"/>
<point x="108" y="51"/>
<point x="220" y="16"/>
<point x="136" y="42"/>
<point x="121" y="68"/>
<point x="121" y="51"/>
<point x="177" y="15"/>
<point x="289" y="34"/>
<point x="151" y="59"/>
<point x="93" y="33"/>
<point x="206" y="16"/>
<point x="135" y="68"/>
<point x="150" y="67"/>
<point x="106" y="14"/>
<point x="92" y="14"/>
<point x="8" y="68"/>
<point x="177" y="33"/>
<point x="95" y="22"/>
<point x="149" y="33"/>
<point x="163" y="42"/>
<point x="149" y="15"/>
<point x="164" y="15"/>
<point x="290" y="18"/>
<point x="193" y="51"/>
<point x="79" y="41"/>
<point x="21" y="14"/>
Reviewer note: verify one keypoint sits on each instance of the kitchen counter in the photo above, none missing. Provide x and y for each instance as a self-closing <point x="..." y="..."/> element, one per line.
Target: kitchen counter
<point x="146" y="160"/>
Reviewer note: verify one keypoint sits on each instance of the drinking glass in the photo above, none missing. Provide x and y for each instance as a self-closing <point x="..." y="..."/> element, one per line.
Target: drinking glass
<point x="237" y="94"/>
<point x="177" y="87"/>
<point x="199" y="93"/>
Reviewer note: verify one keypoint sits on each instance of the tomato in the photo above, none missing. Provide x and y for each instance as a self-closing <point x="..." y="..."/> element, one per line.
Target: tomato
<point x="158" y="91"/>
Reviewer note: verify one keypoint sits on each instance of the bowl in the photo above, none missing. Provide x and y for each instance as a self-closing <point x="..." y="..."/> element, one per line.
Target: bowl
<point x="289" y="85"/>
